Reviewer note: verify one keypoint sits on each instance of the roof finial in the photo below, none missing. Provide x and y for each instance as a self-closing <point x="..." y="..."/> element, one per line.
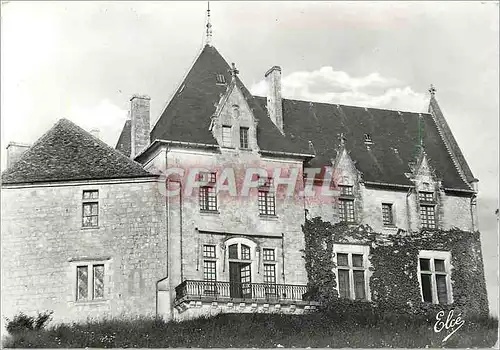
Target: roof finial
<point x="209" y="26"/>
<point x="342" y="139"/>
<point x="432" y="90"/>
<point x="233" y="70"/>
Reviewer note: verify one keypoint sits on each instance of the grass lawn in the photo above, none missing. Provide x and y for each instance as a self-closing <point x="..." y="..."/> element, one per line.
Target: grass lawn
<point x="259" y="331"/>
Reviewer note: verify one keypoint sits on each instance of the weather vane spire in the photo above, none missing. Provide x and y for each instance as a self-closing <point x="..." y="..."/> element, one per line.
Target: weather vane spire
<point x="209" y="26"/>
<point x="432" y="90"/>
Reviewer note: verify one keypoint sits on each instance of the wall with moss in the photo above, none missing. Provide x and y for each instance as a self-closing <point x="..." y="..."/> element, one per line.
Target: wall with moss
<point x="394" y="258"/>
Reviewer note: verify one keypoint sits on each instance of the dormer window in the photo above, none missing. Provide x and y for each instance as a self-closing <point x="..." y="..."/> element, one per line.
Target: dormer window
<point x="243" y="137"/>
<point x="220" y="79"/>
<point x="226" y="136"/>
<point x="426" y="196"/>
<point x="427" y="209"/>
<point x="346" y="204"/>
<point x="346" y="190"/>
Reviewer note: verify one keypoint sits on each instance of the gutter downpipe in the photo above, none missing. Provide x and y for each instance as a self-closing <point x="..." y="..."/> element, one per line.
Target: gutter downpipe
<point x="472" y="211"/>
<point x="167" y="219"/>
<point x="408" y="216"/>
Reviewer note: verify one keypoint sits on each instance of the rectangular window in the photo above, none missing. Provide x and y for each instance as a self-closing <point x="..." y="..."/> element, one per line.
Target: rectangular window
<point x="428" y="216"/>
<point x="427" y="209"/>
<point x="346" y="190"/>
<point x="90" y="208"/>
<point x="90" y="282"/>
<point x="226" y="136"/>
<point x="209" y="277"/>
<point x="426" y="196"/>
<point x="209" y="269"/>
<point x="220" y="79"/>
<point x="82" y="282"/>
<point x="435" y="276"/>
<point x="270" y="278"/>
<point x="92" y="194"/>
<point x="351" y="271"/>
<point x="267" y="205"/>
<point x="344" y="284"/>
<point x="98" y="281"/>
<point x="359" y="285"/>
<point x="269" y="255"/>
<point x="387" y="214"/>
<point x="209" y="251"/>
<point x="243" y="137"/>
<point x="346" y="210"/>
<point x="208" y="193"/>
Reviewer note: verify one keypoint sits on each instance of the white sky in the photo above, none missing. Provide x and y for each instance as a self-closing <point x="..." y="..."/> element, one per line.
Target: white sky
<point x="83" y="60"/>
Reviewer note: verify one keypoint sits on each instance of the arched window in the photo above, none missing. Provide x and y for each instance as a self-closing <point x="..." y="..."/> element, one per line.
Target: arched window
<point x="239" y="251"/>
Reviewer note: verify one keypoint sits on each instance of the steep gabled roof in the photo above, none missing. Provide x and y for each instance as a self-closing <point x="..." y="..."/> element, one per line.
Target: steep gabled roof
<point x="67" y="152"/>
<point x="389" y="130"/>
<point x="395" y="135"/>
<point x="187" y="116"/>
<point x="124" y="143"/>
<point x="449" y="139"/>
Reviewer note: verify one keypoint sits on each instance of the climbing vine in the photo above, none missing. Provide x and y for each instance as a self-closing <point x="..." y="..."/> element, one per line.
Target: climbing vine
<point x="394" y="257"/>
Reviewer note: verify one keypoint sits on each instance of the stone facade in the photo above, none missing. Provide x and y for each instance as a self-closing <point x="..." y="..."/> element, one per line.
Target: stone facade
<point x="452" y="209"/>
<point x="152" y="244"/>
<point x="43" y="238"/>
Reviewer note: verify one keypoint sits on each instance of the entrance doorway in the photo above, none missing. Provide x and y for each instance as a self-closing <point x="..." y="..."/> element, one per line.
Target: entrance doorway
<point x="240" y="278"/>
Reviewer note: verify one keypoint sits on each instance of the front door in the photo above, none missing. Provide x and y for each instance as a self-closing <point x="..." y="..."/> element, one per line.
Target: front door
<point x="240" y="280"/>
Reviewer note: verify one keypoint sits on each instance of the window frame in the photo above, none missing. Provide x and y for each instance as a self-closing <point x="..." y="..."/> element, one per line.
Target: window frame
<point x="433" y="255"/>
<point x="227" y="140"/>
<point x="345" y="201"/>
<point x="209" y="258"/>
<point x="264" y="255"/>
<point x="266" y="197"/>
<point x="220" y="79"/>
<point x="427" y="209"/>
<point x="90" y="202"/>
<point x="269" y="263"/>
<point x="91" y="287"/>
<point x="347" y="210"/>
<point x="390" y="222"/>
<point x="244" y="142"/>
<point x="350" y="250"/>
<point x="425" y="213"/>
<point x="207" y="194"/>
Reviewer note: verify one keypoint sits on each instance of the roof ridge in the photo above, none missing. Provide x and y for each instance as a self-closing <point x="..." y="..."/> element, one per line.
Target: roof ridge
<point x="38" y="141"/>
<point x="67" y="152"/>
<point x="344" y="105"/>
<point x="120" y="154"/>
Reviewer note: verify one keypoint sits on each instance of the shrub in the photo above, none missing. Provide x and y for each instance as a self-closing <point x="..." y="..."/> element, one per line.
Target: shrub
<point x="22" y="322"/>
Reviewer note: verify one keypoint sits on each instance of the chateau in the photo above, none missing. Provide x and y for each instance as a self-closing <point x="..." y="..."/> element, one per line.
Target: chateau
<point x="203" y="212"/>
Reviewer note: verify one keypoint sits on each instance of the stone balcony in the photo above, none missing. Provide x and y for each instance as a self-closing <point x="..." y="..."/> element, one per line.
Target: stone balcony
<point x="198" y="298"/>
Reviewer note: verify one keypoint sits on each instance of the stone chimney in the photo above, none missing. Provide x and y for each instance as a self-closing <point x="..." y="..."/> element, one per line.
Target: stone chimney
<point x="14" y="151"/>
<point x="95" y="132"/>
<point x="140" y="124"/>
<point x="274" y="103"/>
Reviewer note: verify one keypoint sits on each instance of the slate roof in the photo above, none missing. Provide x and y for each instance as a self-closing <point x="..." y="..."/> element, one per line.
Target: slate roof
<point x="188" y="115"/>
<point x="67" y="152"/>
<point x="323" y="123"/>
<point x="124" y="143"/>
<point x="187" y="118"/>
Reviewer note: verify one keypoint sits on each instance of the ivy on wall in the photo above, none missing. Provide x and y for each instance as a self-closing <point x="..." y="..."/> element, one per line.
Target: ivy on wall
<point x="394" y="257"/>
